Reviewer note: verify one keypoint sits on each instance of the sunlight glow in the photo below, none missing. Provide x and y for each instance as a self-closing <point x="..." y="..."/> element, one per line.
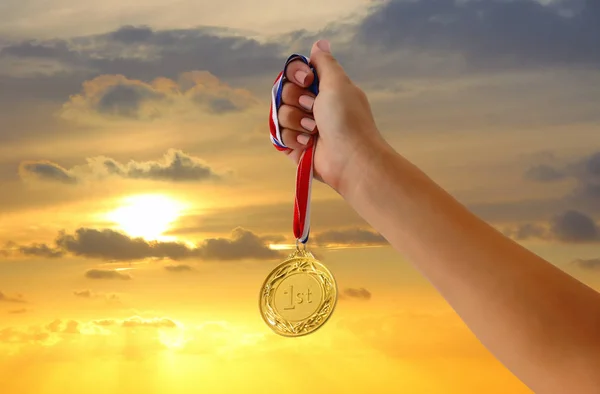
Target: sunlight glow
<point x="147" y="216"/>
<point x="173" y="339"/>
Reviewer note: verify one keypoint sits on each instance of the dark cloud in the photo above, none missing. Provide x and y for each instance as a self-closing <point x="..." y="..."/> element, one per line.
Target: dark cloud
<point x="84" y="293"/>
<point x="570" y="226"/>
<point x="47" y="171"/>
<point x="125" y="100"/>
<point x="111" y="245"/>
<point x="353" y="236"/>
<point x="574" y="226"/>
<point x="488" y="34"/>
<point x="178" y="268"/>
<point x="592" y="165"/>
<point x="87" y="293"/>
<point x="144" y="53"/>
<point x="41" y="250"/>
<point x="587" y="175"/>
<point x="108" y="244"/>
<point x="361" y="293"/>
<point x="106" y="274"/>
<point x="176" y="166"/>
<point x="243" y="244"/>
<point x="588" y="264"/>
<point x="19" y="299"/>
<point x="584" y="172"/>
<point x="35" y="49"/>
<point x="221" y="105"/>
<point x="544" y="173"/>
<point x="132" y="34"/>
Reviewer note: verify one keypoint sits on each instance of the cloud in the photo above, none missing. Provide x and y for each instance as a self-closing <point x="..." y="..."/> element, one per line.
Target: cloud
<point x="588" y="264"/>
<point x="360" y="293"/>
<point x="87" y="293"/>
<point x="64" y="326"/>
<point x="490" y="34"/>
<point x="396" y="36"/>
<point x="576" y="222"/>
<point x="175" y="166"/>
<point x="84" y="293"/>
<point x="111" y="245"/>
<point x="46" y="170"/>
<point x="117" y="97"/>
<point x="132" y="34"/>
<point x="544" y="173"/>
<point x="574" y="226"/>
<point x="108" y="244"/>
<point x="570" y="226"/>
<point x="41" y="250"/>
<point x="146" y="53"/>
<point x="178" y="268"/>
<point x="13" y="299"/>
<point x="242" y="244"/>
<point x="353" y="236"/>
<point x="106" y="274"/>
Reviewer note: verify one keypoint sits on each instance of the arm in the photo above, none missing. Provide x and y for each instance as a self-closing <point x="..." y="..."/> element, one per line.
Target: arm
<point x="543" y="324"/>
<point x="540" y="322"/>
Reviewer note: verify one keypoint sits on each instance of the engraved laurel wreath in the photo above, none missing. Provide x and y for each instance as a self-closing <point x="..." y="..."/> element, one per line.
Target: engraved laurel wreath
<point x="300" y="261"/>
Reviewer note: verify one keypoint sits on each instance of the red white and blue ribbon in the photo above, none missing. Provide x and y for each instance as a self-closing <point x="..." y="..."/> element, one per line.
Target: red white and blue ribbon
<point x="304" y="173"/>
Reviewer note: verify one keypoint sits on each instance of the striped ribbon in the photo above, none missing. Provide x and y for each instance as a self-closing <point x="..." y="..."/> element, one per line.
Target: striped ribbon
<point x="304" y="172"/>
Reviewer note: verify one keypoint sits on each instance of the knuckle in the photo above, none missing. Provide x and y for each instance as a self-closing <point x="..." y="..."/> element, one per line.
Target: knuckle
<point x="286" y="115"/>
<point x="288" y="137"/>
<point x="289" y="92"/>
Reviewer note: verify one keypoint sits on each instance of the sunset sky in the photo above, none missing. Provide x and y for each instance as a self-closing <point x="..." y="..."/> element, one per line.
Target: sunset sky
<point x="142" y="203"/>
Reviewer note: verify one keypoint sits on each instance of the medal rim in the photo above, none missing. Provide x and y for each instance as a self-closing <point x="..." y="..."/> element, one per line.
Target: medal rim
<point x="299" y="255"/>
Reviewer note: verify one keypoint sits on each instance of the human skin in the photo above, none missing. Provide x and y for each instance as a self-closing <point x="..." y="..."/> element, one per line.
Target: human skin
<point x="540" y="322"/>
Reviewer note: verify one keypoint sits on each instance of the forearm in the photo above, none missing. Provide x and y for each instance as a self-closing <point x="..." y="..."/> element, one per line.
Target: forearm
<point x="541" y="323"/>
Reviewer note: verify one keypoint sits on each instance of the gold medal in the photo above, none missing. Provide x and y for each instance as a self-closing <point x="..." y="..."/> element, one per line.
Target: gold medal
<point x="298" y="296"/>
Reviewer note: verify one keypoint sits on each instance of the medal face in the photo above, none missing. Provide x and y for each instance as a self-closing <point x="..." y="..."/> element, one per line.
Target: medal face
<point x="298" y="296"/>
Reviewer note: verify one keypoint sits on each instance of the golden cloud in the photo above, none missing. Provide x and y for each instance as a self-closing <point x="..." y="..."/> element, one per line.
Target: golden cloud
<point x="175" y="166"/>
<point x="116" y="97"/>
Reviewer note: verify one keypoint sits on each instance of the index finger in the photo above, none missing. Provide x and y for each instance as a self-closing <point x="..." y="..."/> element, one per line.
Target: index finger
<point x="299" y="73"/>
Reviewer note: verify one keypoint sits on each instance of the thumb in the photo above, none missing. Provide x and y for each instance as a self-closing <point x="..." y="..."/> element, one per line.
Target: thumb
<point x="328" y="68"/>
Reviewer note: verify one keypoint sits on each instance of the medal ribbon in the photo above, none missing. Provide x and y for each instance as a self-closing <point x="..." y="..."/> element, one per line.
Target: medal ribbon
<point x="304" y="173"/>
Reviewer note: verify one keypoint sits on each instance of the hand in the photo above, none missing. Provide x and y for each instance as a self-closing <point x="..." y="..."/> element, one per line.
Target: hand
<point x="340" y="114"/>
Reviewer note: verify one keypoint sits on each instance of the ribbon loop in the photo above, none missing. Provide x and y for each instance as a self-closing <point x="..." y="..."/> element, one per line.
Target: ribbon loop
<point x="304" y="173"/>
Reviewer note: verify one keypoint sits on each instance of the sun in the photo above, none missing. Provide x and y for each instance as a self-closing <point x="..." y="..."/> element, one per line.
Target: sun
<point x="147" y="216"/>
